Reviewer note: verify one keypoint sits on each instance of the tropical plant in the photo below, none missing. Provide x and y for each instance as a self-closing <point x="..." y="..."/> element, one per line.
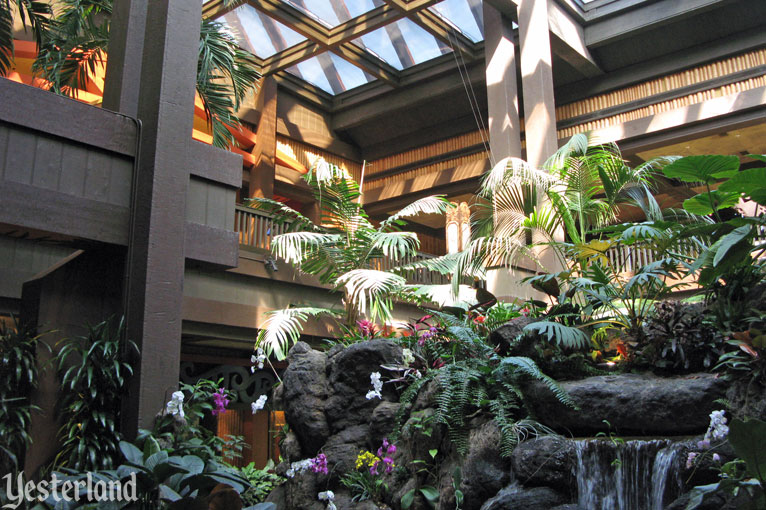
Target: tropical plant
<point x="678" y="337"/>
<point x="366" y="481"/>
<point x="74" y="42"/>
<point x="18" y="378"/>
<point x="262" y="482"/>
<point x="94" y="371"/>
<point x="75" y="45"/>
<point x="578" y="190"/>
<point x="33" y="14"/>
<point x="165" y="479"/>
<point x="748" y="485"/>
<point x="187" y="433"/>
<point x="345" y="250"/>
<point x="731" y="242"/>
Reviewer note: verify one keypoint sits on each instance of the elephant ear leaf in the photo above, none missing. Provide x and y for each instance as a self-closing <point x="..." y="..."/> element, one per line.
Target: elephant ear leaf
<point x="706" y="168"/>
<point x="747" y="439"/>
<point x="705" y="203"/>
<point x="751" y="182"/>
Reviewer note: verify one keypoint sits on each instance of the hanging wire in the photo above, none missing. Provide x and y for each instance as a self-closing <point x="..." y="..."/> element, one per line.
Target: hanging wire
<point x="470" y="93"/>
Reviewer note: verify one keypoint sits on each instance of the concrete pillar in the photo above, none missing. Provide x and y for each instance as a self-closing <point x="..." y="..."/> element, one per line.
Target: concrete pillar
<point x="502" y="94"/>
<point x="156" y="244"/>
<point x="263" y="172"/>
<point x="123" y="67"/>
<point x="539" y="104"/>
<point x="537" y="81"/>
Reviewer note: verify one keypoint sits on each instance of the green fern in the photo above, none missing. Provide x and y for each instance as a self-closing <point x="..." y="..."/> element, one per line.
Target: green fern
<point x="524" y="365"/>
<point x="405" y="400"/>
<point x="461" y="392"/>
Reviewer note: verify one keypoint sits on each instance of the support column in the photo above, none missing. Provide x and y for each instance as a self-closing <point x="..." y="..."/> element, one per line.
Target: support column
<point x="502" y="93"/>
<point x="156" y="243"/>
<point x="539" y="104"/>
<point x="537" y="81"/>
<point x="263" y="171"/>
<point x="123" y="67"/>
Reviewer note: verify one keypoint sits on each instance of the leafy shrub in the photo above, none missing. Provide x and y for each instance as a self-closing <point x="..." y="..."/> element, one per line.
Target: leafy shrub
<point x="679" y="337"/>
<point x="94" y="371"/>
<point x="18" y="377"/>
<point x="262" y="482"/>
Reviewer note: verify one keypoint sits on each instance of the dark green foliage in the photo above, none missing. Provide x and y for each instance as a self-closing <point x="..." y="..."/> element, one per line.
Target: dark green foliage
<point x="469" y="387"/>
<point x="406" y="399"/>
<point x="262" y="482"/>
<point x="33" y="14"/>
<point x="75" y="44"/>
<point x="94" y="371"/>
<point x="736" y="297"/>
<point x="678" y="337"/>
<point x="461" y="392"/>
<point x="18" y="377"/>
<point x="165" y="478"/>
<point x="748" y="485"/>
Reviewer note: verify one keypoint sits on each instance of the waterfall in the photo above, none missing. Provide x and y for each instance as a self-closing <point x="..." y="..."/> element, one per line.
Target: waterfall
<point x="627" y="476"/>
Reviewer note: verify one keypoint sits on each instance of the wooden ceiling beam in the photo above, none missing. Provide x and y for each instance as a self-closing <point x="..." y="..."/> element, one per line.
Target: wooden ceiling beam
<point x="368" y="63"/>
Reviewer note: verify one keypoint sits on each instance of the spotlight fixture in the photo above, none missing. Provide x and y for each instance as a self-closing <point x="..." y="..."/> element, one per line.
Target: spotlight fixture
<point x="271" y="264"/>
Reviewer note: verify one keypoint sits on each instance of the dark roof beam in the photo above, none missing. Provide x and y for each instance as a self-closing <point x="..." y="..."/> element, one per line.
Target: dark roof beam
<point x="645" y="16"/>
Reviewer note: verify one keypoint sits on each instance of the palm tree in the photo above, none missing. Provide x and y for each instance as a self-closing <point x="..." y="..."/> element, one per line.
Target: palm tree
<point x="578" y="191"/>
<point x="344" y="249"/>
<point x="36" y="13"/>
<point x="75" y="42"/>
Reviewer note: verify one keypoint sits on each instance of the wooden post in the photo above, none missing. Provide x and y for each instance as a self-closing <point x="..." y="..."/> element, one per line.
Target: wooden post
<point x="155" y="272"/>
<point x="265" y="151"/>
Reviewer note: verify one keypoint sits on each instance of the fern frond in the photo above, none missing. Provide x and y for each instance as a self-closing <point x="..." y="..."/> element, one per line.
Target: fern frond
<point x="528" y="367"/>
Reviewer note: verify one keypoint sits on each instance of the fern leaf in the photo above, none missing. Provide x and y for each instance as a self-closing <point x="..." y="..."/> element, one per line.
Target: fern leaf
<point x="528" y="367"/>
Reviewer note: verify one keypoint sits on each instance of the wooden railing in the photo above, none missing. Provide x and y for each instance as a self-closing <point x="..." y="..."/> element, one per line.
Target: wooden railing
<point x="257" y="228"/>
<point x="629" y="258"/>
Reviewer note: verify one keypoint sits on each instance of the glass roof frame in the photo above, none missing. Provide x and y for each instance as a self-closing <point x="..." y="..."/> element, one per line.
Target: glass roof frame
<point x="337" y="45"/>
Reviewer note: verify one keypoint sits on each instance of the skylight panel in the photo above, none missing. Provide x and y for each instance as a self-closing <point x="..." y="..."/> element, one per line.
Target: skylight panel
<point x="465" y="15"/>
<point x="258" y="33"/>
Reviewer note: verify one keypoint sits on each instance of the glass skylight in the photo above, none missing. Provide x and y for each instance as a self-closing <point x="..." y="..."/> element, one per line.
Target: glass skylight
<point x="465" y="15"/>
<point x="401" y="44"/>
<point x="330" y="73"/>
<point x="332" y="12"/>
<point x="260" y="34"/>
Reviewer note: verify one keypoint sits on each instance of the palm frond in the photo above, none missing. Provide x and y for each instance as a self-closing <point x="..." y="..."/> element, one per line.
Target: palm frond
<point x="436" y="204"/>
<point x="282" y="213"/>
<point x="566" y="336"/>
<point x="32" y="14"/>
<point x="395" y="245"/>
<point x="513" y="171"/>
<point x="295" y="247"/>
<point x="283" y="327"/>
<point x="443" y="295"/>
<point x="225" y="75"/>
<point x="75" y="45"/>
<point x="369" y="289"/>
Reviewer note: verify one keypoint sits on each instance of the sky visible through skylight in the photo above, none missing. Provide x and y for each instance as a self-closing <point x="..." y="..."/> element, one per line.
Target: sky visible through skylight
<point x="401" y="44"/>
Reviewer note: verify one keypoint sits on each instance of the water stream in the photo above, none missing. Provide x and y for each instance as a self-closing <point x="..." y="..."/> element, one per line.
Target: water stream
<point x="634" y="475"/>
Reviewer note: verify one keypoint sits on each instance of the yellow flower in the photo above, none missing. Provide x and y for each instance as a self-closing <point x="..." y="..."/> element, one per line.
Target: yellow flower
<point x="366" y="459"/>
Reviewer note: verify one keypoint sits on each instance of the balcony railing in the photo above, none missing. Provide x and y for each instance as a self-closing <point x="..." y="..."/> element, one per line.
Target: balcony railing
<point x="256" y="229"/>
<point x="629" y="258"/>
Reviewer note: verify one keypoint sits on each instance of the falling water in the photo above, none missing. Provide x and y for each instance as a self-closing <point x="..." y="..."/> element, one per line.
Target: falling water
<point x="627" y="476"/>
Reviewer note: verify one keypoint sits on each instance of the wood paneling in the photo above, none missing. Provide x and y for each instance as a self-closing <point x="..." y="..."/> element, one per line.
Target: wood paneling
<point x="306" y="154"/>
